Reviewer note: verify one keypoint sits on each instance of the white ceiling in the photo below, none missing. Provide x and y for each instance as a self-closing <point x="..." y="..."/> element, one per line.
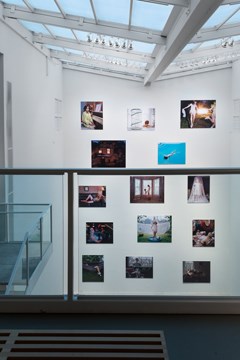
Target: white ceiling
<point x="141" y="40"/>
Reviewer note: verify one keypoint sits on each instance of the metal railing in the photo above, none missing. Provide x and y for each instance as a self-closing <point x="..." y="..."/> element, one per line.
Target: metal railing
<point x="117" y="304"/>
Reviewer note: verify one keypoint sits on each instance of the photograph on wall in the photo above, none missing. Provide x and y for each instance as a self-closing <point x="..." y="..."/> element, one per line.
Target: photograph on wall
<point x="92" y="196"/>
<point x="198" y="114"/>
<point x="203" y="233"/>
<point x="141" y="119"/>
<point x="196" y="271"/>
<point x="147" y="189"/>
<point x="92" y="268"/>
<point x="140" y="267"/>
<point x="152" y="229"/>
<point x="198" y="189"/>
<point x="109" y="153"/>
<point x="99" y="233"/>
<point x="171" y="153"/>
<point x="91" y="115"/>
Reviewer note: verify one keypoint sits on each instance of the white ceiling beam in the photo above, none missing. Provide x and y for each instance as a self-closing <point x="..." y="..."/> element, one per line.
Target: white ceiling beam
<point x="92" y="48"/>
<point x="230" y="2"/>
<point x="96" y="63"/>
<point x="182" y="3"/>
<point x="76" y="23"/>
<point x="189" y="23"/>
<point x="211" y="34"/>
<point x="103" y="72"/>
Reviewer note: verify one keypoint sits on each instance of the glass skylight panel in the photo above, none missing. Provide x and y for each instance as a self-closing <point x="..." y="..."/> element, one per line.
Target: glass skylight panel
<point x="34" y="27"/>
<point x="143" y="47"/>
<point x="234" y="19"/>
<point x="112" y="10"/>
<point x="44" y="5"/>
<point x="78" y="8"/>
<point x="15" y="2"/>
<point x="220" y="15"/>
<point x="62" y="32"/>
<point x="150" y="15"/>
<point x="190" y="47"/>
<point x="210" y="43"/>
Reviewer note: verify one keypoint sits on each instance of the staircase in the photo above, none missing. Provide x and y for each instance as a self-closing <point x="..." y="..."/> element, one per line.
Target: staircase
<point x="8" y="256"/>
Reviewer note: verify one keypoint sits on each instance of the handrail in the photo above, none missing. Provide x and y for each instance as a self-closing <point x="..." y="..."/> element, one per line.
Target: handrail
<point x="26" y="243"/>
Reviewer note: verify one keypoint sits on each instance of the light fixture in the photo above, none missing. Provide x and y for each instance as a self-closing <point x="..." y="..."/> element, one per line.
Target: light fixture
<point x="89" y="39"/>
<point x="97" y="40"/>
<point x="230" y="42"/>
<point x="117" y="44"/>
<point x="130" y="46"/>
<point x="124" y="45"/>
<point x="110" y="43"/>
<point x="224" y="43"/>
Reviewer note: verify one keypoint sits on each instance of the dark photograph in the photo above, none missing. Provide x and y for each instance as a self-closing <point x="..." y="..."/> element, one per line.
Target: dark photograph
<point x="139" y="267"/>
<point x="196" y="271"/>
<point x="92" y="268"/>
<point x="92" y="196"/>
<point x="147" y="189"/>
<point x="99" y="233"/>
<point x="108" y="154"/>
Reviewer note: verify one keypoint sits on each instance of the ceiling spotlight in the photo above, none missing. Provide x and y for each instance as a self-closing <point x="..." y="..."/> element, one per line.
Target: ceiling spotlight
<point x="97" y="40"/>
<point x="230" y="42"/>
<point x="89" y="39"/>
<point x="103" y="41"/>
<point x="130" y="47"/>
<point x="117" y="45"/>
<point x="110" y="43"/>
<point x="124" y="45"/>
<point x="224" y="43"/>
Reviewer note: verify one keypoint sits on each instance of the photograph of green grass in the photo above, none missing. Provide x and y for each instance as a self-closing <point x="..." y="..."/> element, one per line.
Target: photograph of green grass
<point x="152" y="229"/>
<point x="92" y="268"/>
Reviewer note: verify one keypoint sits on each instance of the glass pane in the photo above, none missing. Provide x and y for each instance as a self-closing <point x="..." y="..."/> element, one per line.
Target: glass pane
<point x="32" y="256"/>
<point x="62" y="32"/>
<point x="15" y="2"/>
<point x="35" y="27"/>
<point x="44" y="5"/>
<point x="110" y="10"/>
<point x="220" y="15"/>
<point x="77" y="8"/>
<point x="150" y="15"/>
<point x="188" y="236"/>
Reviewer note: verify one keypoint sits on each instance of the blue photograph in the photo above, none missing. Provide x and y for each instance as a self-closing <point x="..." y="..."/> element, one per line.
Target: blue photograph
<point x="171" y="153"/>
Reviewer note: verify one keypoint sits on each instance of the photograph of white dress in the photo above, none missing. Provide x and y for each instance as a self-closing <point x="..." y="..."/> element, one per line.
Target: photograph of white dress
<point x="198" y="189"/>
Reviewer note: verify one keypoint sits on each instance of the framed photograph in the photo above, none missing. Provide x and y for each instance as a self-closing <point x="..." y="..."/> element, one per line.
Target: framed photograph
<point x="147" y="189"/>
<point x="108" y="153"/>
<point x="140" y="267"/>
<point x="141" y="118"/>
<point x="196" y="271"/>
<point x="198" y="114"/>
<point x="198" y="189"/>
<point x="152" y="229"/>
<point x="99" y="233"/>
<point x="171" y="153"/>
<point x="92" y="268"/>
<point x="92" y="196"/>
<point x="91" y="114"/>
<point x="203" y="233"/>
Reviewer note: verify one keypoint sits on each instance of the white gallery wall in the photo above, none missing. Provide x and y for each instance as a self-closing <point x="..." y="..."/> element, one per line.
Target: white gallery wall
<point x="36" y="83"/>
<point x="204" y="147"/>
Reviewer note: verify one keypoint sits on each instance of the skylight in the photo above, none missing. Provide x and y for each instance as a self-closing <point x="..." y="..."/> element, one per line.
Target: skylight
<point x="78" y="8"/>
<point x="60" y="31"/>
<point x="15" y="2"/>
<point x="150" y="15"/>
<point x="112" y="10"/>
<point x="220" y="15"/>
<point x="44" y="5"/>
<point x="34" y="27"/>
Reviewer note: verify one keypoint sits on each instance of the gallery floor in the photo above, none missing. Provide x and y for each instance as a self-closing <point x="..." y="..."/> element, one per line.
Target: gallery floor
<point x="194" y="337"/>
